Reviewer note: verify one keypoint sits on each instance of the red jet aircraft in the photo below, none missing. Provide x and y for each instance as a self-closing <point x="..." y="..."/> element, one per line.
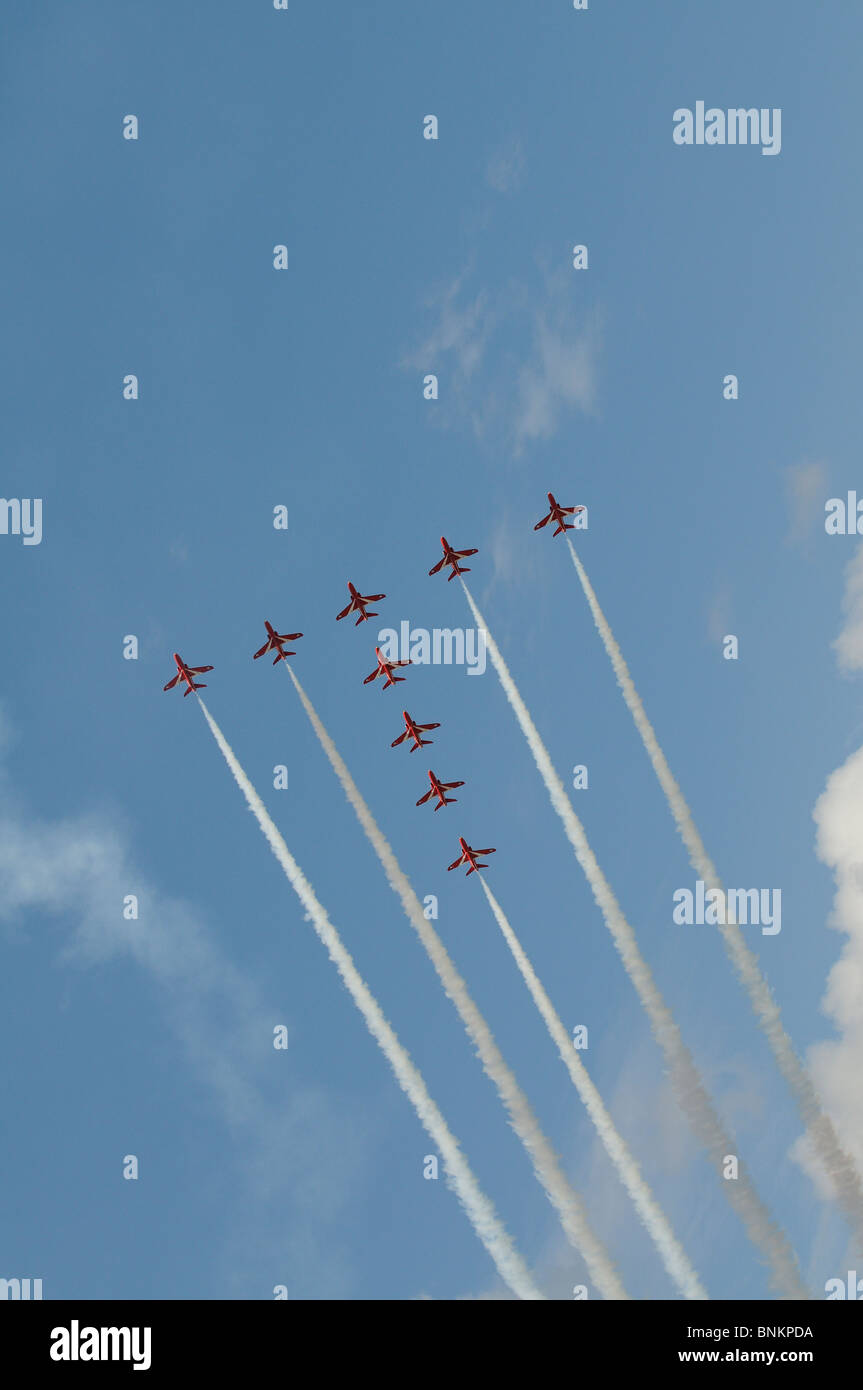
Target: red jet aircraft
<point x="557" y="514"/>
<point x="358" y="605"/>
<point x="185" y="673"/>
<point x="469" y="856"/>
<point x="452" y="557"/>
<point x="386" y="668"/>
<point x="413" y="730"/>
<point x="274" y="643"/>
<point x="439" y="789"/>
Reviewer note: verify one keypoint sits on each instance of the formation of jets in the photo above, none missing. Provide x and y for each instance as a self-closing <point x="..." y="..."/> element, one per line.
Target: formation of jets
<point x="358" y="604"/>
<point x="452" y="557"/>
<point x="185" y="674"/>
<point x="386" y="668"/>
<point x="469" y="856"/>
<point x="413" y="730"/>
<point x="557" y="514"/>
<point x="276" y="642"/>
<point x="440" y="789"/>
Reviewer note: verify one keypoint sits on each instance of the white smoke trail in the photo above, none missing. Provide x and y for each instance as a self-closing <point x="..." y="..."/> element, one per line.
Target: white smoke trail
<point x="545" y="1164"/>
<point x="671" y="1252"/>
<point x="479" y="1209"/>
<point x="685" y="1078"/>
<point x="839" y="1165"/>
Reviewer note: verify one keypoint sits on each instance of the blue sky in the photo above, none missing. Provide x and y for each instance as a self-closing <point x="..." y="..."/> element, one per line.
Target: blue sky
<point x="304" y="388"/>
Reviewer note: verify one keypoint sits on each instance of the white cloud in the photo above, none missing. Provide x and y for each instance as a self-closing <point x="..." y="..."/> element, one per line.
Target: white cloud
<point x="461" y="328"/>
<point x="654" y="1128"/>
<point x="7" y="736"/>
<point x="476" y="347"/>
<point x="837" y="1065"/>
<point x="719" y="619"/>
<point x="299" y="1153"/>
<point x="506" y="167"/>
<point x="559" y="375"/>
<point x="510" y="561"/>
<point x="806" y="483"/>
<point x="849" y="644"/>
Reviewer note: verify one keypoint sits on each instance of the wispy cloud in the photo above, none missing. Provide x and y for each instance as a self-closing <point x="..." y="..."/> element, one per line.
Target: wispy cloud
<point x="837" y="1064"/>
<point x="806" y="485"/>
<point x="462" y="325"/>
<point x="510" y="562"/>
<point x="559" y="375"/>
<point x="511" y="362"/>
<point x="291" y="1149"/>
<point x="506" y="167"/>
<point x="719" y="619"/>
<point x="849" y="644"/>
